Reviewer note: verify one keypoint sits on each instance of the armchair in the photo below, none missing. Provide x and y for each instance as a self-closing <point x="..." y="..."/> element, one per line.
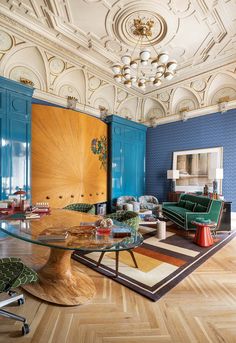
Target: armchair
<point x="13" y="273"/>
<point x="124" y="200"/>
<point x="149" y="202"/>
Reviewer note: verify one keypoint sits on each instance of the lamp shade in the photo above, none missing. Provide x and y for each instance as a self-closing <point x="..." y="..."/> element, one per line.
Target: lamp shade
<point x="173" y="174"/>
<point x="218" y="174"/>
<point x="20" y="192"/>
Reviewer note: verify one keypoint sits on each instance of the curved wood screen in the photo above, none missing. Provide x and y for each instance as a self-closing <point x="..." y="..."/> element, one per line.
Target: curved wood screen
<point x="69" y="155"/>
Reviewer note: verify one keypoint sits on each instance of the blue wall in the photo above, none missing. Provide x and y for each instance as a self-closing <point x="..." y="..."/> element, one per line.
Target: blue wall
<point x="213" y="130"/>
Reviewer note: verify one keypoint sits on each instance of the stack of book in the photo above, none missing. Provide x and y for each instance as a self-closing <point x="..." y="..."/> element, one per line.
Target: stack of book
<point x="41" y="208"/>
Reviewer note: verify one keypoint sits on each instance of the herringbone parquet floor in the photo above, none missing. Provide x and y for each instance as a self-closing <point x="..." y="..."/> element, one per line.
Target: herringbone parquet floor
<point x="202" y="308"/>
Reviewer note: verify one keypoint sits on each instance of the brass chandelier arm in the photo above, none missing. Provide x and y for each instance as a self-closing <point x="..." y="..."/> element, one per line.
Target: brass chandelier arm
<point x="144" y="70"/>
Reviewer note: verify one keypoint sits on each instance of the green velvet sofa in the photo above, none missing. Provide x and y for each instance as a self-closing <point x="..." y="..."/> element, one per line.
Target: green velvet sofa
<point x="189" y="208"/>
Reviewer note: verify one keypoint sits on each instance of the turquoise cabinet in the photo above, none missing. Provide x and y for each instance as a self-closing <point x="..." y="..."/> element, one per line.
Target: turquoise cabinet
<point x="127" y="148"/>
<point x="15" y="130"/>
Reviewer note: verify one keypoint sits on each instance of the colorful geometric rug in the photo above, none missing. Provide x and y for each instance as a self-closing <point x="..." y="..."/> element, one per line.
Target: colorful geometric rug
<point x="162" y="263"/>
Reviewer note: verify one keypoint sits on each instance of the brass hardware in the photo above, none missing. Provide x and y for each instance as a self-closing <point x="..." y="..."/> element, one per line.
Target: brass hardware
<point x="223" y="99"/>
<point x="143" y="29"/>
<point x="184" y="109"/>
<point x="26" y="81"/>
<point x="72" y="98"/>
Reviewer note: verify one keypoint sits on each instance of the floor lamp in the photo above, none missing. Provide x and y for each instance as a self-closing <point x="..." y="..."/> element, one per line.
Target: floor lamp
<point x="173" y="175"/>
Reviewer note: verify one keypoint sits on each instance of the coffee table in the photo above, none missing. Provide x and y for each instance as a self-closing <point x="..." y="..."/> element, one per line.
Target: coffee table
<point x="60" y="281"/>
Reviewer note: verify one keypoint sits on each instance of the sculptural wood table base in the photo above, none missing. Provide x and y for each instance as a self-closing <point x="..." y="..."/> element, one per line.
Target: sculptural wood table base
<point x="61" y="282"/>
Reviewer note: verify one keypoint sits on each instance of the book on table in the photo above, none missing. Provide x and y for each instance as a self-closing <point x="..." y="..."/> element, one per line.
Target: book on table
<point x="119" y="232"/>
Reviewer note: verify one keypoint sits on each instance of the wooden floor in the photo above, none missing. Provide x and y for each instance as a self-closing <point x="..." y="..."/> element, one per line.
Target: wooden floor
<point x="202" y="308"/>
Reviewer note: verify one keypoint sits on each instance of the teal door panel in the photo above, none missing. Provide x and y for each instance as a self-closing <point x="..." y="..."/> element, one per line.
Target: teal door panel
<point x="15" y="129"/>
<point x="127" y="145"/>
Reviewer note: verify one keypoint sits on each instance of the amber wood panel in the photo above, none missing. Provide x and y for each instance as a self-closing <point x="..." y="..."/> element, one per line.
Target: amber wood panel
<point x="64" y="168"/>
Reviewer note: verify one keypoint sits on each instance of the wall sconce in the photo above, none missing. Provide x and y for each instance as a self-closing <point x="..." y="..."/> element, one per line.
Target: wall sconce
<point x="173" y="175"/>
<point x="71" y="102"/>
<point x="26" y="82"/>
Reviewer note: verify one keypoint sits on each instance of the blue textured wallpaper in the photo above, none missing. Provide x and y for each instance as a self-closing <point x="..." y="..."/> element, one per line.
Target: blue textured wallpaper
<point x="212" y="130"/>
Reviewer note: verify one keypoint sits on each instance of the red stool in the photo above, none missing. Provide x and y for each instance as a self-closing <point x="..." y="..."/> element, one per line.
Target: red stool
<point x="203" y="235"/>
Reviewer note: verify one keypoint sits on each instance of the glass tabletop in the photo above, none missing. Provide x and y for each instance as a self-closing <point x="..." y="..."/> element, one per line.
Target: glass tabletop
<point x="67" y="225"/>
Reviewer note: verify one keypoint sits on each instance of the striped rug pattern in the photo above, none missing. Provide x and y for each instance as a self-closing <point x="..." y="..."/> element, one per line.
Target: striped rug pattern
<point x="162" y="263"/>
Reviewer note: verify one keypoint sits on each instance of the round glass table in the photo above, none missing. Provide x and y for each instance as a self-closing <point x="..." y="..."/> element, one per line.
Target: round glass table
<point x="60" y="281"/>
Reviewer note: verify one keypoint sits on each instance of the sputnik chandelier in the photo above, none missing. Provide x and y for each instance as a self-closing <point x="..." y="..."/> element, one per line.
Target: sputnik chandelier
<point x="144" y="70"/>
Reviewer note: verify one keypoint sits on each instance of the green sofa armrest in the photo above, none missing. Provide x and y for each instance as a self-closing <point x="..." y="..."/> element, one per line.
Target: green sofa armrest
<point x="191" y="216"/>
<point x="213" y="214"/>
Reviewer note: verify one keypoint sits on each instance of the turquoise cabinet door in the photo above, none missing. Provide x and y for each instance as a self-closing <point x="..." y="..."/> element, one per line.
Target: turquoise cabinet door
<point x="19" y="150"/>
<point x="15" y="129"/>
<point x="127" y="147"/>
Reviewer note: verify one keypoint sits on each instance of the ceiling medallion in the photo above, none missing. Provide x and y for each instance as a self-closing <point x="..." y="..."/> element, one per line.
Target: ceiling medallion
<point x="143" y="70"/>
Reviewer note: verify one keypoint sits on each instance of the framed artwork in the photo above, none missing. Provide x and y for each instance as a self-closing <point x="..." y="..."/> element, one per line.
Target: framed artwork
<point x="196" y="168"/>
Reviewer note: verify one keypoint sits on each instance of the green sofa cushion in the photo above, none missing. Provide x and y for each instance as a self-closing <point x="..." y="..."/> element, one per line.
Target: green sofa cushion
<point x="200" y="208"/>
<point x="204" y="201"/>
<point x="181" y="203"/>
<point x="176" y="211"/>
<point x="189" y="205"/>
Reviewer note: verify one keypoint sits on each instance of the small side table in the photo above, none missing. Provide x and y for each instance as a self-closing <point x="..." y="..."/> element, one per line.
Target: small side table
<point x="203" y="235"/>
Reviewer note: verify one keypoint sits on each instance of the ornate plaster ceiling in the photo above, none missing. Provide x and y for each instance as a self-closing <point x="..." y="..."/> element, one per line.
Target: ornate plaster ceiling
<point x="199" y="34"/>
<point x="67" y="47"/>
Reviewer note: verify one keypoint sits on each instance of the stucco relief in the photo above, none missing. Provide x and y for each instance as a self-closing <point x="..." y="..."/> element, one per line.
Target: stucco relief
<point x="224" y="95"/>
<point x="102" y="103"/>
<point x="214" y="85"/>
<point x="19" y="72"/>
<point x="198" y="85"/>
<point x="69" y="90"/>
<point x="94" y="83"/>
<point x="126" y="113"/>
<point x="56" y="65"/>
<point x="6" y="41"/>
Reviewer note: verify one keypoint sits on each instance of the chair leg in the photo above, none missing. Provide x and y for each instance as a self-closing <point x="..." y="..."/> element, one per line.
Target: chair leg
<point x="100" y="258"/>
<point x="133" y="258"/>
<point x="7" y="314"/>
<point x="117" y="262"/>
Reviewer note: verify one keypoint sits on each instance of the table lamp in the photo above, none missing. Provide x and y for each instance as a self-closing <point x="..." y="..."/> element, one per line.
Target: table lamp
<point x="173" y="175"/>
<point x="20" y="192"/>
<point x="217" y="175"/>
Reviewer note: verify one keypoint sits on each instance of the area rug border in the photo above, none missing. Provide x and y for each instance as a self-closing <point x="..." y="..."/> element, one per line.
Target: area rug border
<point x="157" y="291"/>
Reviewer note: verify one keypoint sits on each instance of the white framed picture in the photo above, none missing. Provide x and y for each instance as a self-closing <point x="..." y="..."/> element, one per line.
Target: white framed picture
<point x="197" y="168"/>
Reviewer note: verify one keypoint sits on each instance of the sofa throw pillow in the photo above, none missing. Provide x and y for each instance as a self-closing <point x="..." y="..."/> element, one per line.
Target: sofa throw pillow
<point x="189" y="205"/>
<point x="181" y="203"/>
<point x="200" y="208"/>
